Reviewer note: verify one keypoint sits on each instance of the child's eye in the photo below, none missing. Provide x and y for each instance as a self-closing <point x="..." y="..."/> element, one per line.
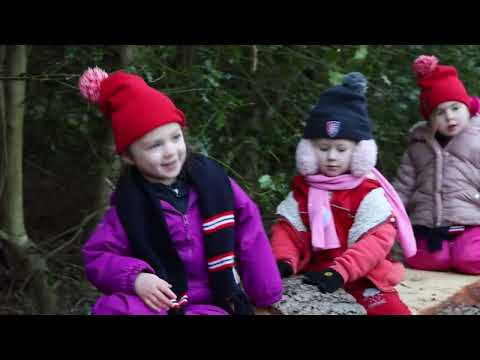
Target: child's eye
<point x="323" y="149"/>
<point x="176" y="137"/>
<point x="455" y="107"/>
<point x="341" y="149"/>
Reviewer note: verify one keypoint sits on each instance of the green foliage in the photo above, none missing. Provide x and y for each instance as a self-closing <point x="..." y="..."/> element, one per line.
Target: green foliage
<point x="250" y="121"/>
<point x="361" y="53"/>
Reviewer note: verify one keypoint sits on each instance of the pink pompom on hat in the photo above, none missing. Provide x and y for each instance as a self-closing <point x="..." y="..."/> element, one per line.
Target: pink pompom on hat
<point x="133" y="107"/>
<point x="439" y="83"/>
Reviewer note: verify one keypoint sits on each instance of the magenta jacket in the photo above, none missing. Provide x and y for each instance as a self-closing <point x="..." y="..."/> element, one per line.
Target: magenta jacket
<point x="111" y="268"/>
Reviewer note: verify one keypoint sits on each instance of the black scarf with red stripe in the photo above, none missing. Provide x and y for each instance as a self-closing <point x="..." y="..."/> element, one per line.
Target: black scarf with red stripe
<point x="142" y="217"/>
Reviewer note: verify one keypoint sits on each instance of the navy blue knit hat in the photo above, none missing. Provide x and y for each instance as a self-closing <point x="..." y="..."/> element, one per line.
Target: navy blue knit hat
<point x="341" y="112"/>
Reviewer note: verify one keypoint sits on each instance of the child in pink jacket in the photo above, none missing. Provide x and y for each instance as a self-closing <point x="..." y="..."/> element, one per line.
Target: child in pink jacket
<point x="439" y="175"/>
<point x="341" y="219"/>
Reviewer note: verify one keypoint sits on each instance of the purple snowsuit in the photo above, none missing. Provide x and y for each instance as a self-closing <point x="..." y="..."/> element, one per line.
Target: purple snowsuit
<point x="111" y="268"/>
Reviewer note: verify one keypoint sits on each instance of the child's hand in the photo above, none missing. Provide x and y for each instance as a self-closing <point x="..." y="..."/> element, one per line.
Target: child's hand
<point x="284" y="268"/>
<point x="154" y="291"/>
<point x="327" y="280"/>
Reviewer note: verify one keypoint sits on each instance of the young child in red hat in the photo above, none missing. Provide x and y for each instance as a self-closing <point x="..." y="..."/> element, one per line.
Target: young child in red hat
<point x="340" y="221"/>
<point x="180" y="236"/>
<point x="439" y="175"/>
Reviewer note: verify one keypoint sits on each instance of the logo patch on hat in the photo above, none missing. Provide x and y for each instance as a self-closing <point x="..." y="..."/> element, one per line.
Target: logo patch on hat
<point x="332" y="127"/>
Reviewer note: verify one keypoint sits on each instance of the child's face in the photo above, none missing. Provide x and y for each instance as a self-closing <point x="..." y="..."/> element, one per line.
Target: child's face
<point x="334" y="155"/>
<point x="450" y="118"/>
<point x="159" y="154"/>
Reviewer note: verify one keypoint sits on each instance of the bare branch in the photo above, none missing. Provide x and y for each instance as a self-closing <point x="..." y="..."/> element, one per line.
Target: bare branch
<point x="254" y="58"/>
<point x="76" y="227"/>
<point x="41" y="77"/>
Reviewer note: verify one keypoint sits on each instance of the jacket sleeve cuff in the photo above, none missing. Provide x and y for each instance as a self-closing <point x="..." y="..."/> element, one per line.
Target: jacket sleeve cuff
<point x="341" y="270"/>
<point x="131" y="275"/>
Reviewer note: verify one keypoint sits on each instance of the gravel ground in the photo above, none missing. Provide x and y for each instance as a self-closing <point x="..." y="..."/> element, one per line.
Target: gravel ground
<point x="460" y="310"/>
<point x="303" y="299"/>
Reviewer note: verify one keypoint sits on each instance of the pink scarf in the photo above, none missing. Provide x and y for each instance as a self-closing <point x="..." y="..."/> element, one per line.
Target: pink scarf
<point x="324" y="235"/>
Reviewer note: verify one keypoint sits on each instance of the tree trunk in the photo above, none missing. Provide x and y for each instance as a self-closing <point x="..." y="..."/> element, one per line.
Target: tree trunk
<point x="185" y="56"/>
<point x="22" y="251"/>
<point x="111" y="166"/>
<point x="3" y="125"/>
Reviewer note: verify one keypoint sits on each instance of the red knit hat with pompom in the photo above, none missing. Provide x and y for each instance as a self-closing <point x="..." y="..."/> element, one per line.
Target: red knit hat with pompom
<point x="438" y="83"/>
<point x="133" y="107"/>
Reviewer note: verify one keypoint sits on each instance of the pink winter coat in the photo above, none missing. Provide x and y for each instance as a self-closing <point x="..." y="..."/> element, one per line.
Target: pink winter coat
<point x="440" y="186"/>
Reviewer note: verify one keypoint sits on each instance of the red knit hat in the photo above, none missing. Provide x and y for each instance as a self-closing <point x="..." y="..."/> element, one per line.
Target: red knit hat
<point x="439" y="83"/>
<point x="133" y="107"/>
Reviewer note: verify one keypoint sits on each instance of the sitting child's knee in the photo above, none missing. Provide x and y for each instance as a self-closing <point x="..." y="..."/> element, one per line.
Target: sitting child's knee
<point x="467" y="263"/>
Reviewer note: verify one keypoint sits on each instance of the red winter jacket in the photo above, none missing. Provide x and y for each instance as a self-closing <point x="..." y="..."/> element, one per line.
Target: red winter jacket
<point x="365" y="227"/>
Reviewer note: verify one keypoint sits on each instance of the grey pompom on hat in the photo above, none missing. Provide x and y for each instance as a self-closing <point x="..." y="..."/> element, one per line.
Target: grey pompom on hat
<point x="356" y="81"/>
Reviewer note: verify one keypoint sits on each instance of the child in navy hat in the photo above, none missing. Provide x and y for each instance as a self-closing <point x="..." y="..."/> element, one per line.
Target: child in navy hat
<point x="338" y="224"/>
